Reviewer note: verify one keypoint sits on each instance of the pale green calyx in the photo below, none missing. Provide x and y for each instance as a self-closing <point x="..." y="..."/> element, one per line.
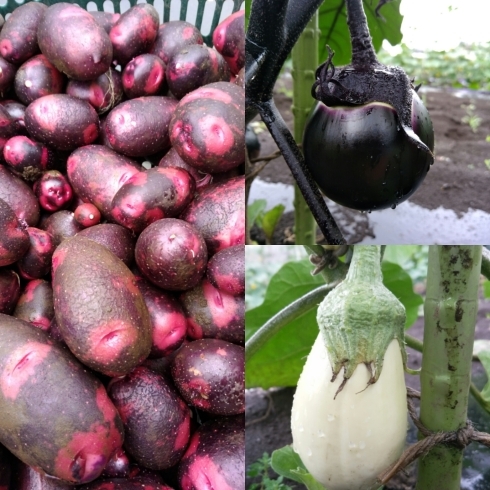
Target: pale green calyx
<point x="360" y="317"/>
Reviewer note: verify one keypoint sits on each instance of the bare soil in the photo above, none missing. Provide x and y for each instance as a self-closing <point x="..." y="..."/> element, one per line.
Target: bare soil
<point x="458" y="180"/>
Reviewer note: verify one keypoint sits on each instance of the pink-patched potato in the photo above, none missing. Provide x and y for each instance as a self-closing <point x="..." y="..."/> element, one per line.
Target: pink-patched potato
<point x="99" y="309"/>
<point x="207" y="127"/>
<point x="8" y="127"/>
<point x="171" y="254"/>
<point x="61" y="225"/>
<point x="27" y="158"/>
<point x="226" y="270"/>
<point x="87" y="214"/>
<point x="135" y="32"/>
<point x="218" y="212"/>
<point x="103" y="93"/>
<point x="39" y="377"/>
<point x="118" y="466"/>
<point x="106" y="20"/>
<point x="9" y="290"/>
<point x="16" y="111"/>
<point x="144" y="75"/>
<point x="156" y="420"/>
<point x="35" y="304"/>
<point x="18" y="38"/>
<point x="62" y="121"/>
<point x="229" y="40"/>
<point x="36" y="262"/>
<point x="215" y="457"/>
<point x="193" y="67"/>
<point x="210" y="375"/>
<point x="36" y="78"/>
<point x="7" y="76"/>
<point x="119" y="240"/>
<point x="96" y="173"/>
<point x="174" y="36"/>
<point x="212" y="313"/>
<point x="172" y="159"/>
<point x="53" y="191"/>
<point x="14" y="239"/>
<point x="168" y="321"/>
<point x="152" y="195"/>
<point x="140" y="127"/>
<point x="19" y="196"/>
<point x="74" y="42"/>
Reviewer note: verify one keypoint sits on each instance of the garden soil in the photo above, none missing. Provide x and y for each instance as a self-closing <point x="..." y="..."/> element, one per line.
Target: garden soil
<point x="268" y="413"/>
<point x="458" y="180"/>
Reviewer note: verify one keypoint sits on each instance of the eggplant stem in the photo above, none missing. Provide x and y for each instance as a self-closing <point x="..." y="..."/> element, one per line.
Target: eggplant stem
<point x="363" y="54"/>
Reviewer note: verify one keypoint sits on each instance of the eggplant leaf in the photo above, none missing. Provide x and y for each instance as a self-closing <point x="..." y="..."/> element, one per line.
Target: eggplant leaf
<point x="280" y="361"/>
<point x="335" y="33"/>
<point x="287" y="463"/>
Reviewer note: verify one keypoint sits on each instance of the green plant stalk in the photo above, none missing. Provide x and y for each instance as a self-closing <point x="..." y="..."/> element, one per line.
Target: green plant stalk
<point x="285" y="316"/>
<point x="450" y="317"/>
<point x="305" y="62"/>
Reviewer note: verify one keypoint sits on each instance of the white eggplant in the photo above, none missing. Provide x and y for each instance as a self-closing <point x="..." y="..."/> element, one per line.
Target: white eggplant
<point x="346" y="442"/>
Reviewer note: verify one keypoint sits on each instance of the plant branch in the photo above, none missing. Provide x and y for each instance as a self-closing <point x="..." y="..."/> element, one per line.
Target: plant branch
<point x="285" y="316"/>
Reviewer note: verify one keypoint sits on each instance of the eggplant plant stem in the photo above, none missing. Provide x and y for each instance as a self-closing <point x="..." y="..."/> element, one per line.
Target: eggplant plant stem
<point x="305" y="61"/>
<point x="293" y="157"/>
<point x="450" y="316"/>
<point x="285" y="316"/>
<point x="363" y="54"/>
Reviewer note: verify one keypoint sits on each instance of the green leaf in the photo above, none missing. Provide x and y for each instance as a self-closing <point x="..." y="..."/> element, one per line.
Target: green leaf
<point x="335" y="33"/>
<point x="287" y="463"/>
<point x="254" y="210"/>
<point x="292" y="344"/>
<point x="484" y="357"/>
<point x="400" y="284"/>
<point x="270" y="220"/>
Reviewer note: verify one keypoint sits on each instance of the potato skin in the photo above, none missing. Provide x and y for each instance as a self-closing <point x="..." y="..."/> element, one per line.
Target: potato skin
<point x="38" y="377"/>
<point x="36" y="263"/>
<point x="62" y="121"/>
<point x="140" y="127"/>
<point x="18" y="38"/>
<point x="226" y="270"/>
<point x="14" y="239"/>
<point x="218" y="212"/>
<point x="215" y="457"/>
<point x="9" y="290"/>
<point x="84" y="56"/>
<point x="35" y="304"/>
<point x="96" y="173"/>
<point x="229" y="40"/>
<point x="99" y="309"/>
<point x="156" y="420"/>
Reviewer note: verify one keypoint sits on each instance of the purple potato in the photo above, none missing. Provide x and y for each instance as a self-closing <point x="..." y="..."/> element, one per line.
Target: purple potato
<point x="171" y="254"/>
<point x="36" y="262"/>
<point x="229" y="40"/>
<point x="61" y="225"/>
<point x="118" y="466"/>
<point x="9" y="290"/>
<point x="14" y="239"/>
<point x="74" y="42"/>
<point x="226" y="270"/>
<point x="19" y="196"/>
<point x="214" y="314"/>
<point x="18" y="38"/>
<point x="53" y="191"/>
<point x="96" y="173"/>
<point x="8" y="127"/>
<point x="174" y="36"/>
<point x="16" y="111"/>
<point x="144" y="75"/>
<point x="39" y="377"/>
<point x="152" y="195"/>
<point x="210" y="375"/>
<point x="218" y="212"/>
<point x="102" y="94"/>
<point x="135" y="32"/>
<point x="35" y="304"/>
<point x="62" y="121"/>
<point x="215" y="457"/>
<point x="7" y="76"/>
<point x="106" y="20"/>
<point x="207" y="127"/>
<point x="99" y="309"/>
<point x="193" y="67"/>
<point x="156" y="420"/>
<point x="36" y="78"/>
<point x="140" y="127"/>
<point x="116" y="238"/>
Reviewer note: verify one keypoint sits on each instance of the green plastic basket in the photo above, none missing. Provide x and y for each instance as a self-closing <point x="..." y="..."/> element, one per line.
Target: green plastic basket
<point x="204" y="14"/>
